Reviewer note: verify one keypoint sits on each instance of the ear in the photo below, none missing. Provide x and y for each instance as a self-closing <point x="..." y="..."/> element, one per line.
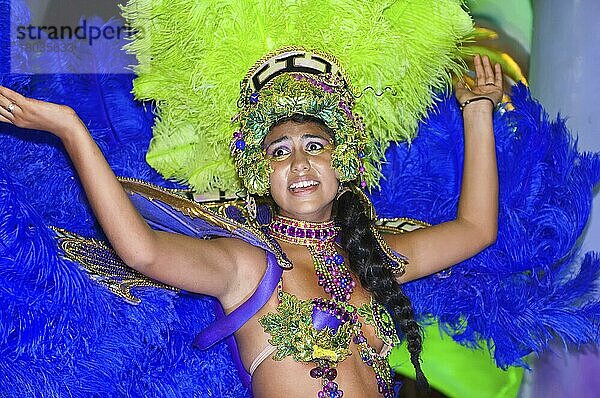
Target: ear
<point x="336" y="172"/>
<point x="342" y="189"/>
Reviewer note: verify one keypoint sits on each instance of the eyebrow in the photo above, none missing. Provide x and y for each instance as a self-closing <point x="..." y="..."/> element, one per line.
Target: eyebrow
<point x="315" y="136"/>
<point x="278" y="140"/>
<point x="304" y="136"/>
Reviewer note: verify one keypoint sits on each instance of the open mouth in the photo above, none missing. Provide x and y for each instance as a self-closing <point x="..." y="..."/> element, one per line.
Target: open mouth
<point x="303" y="185"/>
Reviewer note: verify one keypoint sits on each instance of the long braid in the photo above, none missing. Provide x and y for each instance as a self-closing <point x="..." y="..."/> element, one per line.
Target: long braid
<point x="368" y="262"/>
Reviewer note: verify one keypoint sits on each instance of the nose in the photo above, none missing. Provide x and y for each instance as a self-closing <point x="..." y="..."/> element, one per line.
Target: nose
<point x="300" y="162"/>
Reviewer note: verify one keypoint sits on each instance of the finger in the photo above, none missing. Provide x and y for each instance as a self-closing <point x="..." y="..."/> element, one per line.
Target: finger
<point x="12" y="95"/>
<point x="479" y="73"/>
<point x="8" y="105"/>
<point x="5" y="120"/>
<point x="6" y="114"/>
<point x="487" y="68"/>
<point x="498" y="80"/>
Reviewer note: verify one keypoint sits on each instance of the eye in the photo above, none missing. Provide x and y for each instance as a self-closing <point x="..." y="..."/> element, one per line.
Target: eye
<point x="317" y="147"/>
<point x="278" y="153"/>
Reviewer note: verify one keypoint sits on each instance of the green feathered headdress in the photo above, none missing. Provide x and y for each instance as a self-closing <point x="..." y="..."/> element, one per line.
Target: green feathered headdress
<point x="192" y="56"/>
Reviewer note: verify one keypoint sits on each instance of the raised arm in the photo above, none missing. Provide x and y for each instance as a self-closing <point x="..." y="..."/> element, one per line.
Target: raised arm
<point x="210" y="267"/>
<point x="432" y="249"/>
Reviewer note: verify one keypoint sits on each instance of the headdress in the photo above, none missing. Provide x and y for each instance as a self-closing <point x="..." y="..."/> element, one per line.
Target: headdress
<point x="192" y="56"/>
<point x="296" y="81"/>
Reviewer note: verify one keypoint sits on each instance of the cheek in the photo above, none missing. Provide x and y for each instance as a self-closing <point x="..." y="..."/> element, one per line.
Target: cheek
<point x="327" y="169"/>
<point x="277" y="177"/>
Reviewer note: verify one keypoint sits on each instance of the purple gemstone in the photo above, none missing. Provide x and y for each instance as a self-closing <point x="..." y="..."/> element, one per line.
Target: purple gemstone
<point x="263" y="214"/>
<point x="315" y="373"/>
<point x="359" y="339"/>
<point x="254" y="97"/>
<point x="331" y="374"/>
<point x="234" y="213"/>
<point x="310" y="233"/>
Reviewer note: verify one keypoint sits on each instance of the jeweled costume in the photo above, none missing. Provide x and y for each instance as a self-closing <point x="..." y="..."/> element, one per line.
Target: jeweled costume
<point x="63" y="334"/>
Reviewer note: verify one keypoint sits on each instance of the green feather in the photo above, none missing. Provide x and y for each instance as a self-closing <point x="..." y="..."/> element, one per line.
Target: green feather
<point x="192" y="56"/>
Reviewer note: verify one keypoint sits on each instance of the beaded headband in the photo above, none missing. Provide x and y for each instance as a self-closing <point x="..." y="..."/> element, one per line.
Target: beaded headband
<point x="296" y="81"/>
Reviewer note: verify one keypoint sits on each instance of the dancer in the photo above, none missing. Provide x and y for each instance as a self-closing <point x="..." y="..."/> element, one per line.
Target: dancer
<point x="309" y="154"/>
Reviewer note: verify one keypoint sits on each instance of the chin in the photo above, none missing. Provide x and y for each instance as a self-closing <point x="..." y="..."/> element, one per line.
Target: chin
<point x="307" y="211"/>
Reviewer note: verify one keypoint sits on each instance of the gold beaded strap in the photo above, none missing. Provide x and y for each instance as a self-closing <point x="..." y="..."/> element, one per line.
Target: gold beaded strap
<point x="104" y="265"/>
<point x="395" y="226"/>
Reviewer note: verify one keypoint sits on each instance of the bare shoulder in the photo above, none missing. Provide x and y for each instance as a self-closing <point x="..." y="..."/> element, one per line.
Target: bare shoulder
<point x="249" y="263"/>
<point x="217" y="267"/>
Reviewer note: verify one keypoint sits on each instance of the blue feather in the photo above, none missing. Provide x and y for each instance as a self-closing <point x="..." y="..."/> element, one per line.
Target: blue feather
<point x="62" y="334"/>
<point x="532" y="284"/>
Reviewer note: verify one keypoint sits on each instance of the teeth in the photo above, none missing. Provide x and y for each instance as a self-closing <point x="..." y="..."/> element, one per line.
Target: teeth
<point x="303" y="184"/>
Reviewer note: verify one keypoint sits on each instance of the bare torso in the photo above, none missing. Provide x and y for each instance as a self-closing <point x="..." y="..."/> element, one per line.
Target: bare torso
<point x="289" y="377"/>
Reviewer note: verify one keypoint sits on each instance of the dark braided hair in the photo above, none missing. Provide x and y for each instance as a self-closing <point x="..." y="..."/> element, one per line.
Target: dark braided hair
<point x="369" y="263"/>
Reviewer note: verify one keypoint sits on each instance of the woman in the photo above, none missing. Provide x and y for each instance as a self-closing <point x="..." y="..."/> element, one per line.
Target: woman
<point x="303" y="165"/>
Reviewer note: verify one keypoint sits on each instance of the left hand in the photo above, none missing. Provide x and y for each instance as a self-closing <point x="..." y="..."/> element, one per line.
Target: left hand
<point x="488" y="82"/>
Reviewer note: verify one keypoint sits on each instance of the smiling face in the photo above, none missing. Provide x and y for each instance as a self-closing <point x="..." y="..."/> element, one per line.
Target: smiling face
<point x="303" y="183"/>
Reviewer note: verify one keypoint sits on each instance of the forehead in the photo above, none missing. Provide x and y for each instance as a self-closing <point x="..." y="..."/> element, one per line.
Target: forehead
<point x="294" y="130"/>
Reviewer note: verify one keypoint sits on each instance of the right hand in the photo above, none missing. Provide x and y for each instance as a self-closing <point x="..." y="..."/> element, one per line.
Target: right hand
<point x="33" y="114"/>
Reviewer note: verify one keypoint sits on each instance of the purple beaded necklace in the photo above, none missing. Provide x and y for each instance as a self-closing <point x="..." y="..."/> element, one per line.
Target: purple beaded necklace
<point x="319" y="238"/>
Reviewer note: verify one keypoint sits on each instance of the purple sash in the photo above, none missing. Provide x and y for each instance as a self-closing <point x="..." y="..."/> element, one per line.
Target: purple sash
<point x="226" y="325"/>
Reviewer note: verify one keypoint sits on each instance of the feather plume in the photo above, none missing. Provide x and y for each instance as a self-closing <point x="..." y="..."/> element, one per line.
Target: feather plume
<point x="193" y="55"/>
<point x="532" y="285"/>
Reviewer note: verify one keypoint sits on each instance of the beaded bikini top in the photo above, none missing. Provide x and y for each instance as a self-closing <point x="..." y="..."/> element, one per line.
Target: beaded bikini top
<point x="321" y="330"/>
